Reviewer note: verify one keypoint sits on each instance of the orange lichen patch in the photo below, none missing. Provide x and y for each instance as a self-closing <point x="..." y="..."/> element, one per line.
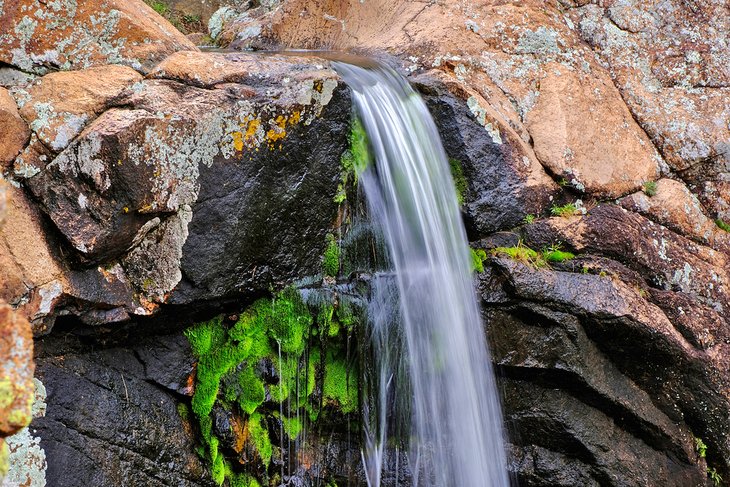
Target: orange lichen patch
<point x="278" y="131"/>
<point x="237" y="141"/>
<point x="253" y="127"/>
<point x="240" y="434"/>
<point x="295" y="117"/>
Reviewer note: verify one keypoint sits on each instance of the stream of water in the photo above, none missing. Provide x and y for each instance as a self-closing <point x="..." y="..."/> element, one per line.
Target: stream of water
<point x="432" y="362"/>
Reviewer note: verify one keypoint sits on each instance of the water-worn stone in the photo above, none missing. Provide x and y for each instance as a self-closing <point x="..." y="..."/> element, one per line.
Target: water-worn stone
<point x="142" y="183"/>
<point x="40" y="36"/>
<point x="504" y="180"/>
<point x="59" y="105"/>
<point x="110" y="421"/>
<point x="15" y="132"/>
<point x="582" y="333"/>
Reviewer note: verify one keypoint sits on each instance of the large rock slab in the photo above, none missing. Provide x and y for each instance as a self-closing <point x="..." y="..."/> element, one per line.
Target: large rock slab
<point x="15" y="131"/>
<point x="58" y="106"/>
<point x="111" y="421"/>
<point x="221" y="168"/>
<point x="39" y="36"/>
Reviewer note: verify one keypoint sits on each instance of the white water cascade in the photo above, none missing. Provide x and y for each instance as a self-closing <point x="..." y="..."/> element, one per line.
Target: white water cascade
<point x="434" y="367"/>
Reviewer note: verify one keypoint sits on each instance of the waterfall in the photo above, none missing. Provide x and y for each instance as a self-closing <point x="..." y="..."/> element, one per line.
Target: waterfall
<point x="448" y="391"/>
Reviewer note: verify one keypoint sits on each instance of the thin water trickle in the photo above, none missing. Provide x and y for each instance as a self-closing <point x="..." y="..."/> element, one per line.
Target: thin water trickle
<point x="432" y="363"/>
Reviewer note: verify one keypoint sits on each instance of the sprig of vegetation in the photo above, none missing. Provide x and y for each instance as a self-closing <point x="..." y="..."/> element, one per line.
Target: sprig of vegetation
<point x="715" y="477"/>
<point x="566" y="210"/>
<point x="700" y="447"/>
<point x="650" y="188"/>
<point x="722" y="225"/>
<point x="533" y="258"/>
<point x="529" y="219"/>
<point x="478" y="256"/>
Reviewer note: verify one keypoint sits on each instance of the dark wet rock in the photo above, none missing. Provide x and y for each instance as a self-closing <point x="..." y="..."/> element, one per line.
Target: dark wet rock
<point x="577" y="338"/>
<point x="504" y="181"/>
<point x="109" y="422"/>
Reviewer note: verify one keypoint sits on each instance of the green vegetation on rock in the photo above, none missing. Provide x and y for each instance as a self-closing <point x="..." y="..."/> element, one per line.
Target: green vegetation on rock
<point x="460" y="183"/>
<point x="533" y="258"/>
<point x="649" y="188"/>
<point x="566" y="210"/>
<point x="331" y="262"/>
<point x="722" y="225"/>
<point x="231" y="357"/>
<point x="354" y="160"/>
<point x="478" y="256"/>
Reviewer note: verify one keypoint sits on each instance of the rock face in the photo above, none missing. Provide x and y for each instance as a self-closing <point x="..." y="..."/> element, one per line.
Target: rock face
<point x="132" y="173"/>
<point x="40" y="36"/>
<point x="597" y="127"/>
<point x="116" y="408"/>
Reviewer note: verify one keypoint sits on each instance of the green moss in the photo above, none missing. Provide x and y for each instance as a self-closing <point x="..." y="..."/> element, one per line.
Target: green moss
<point x="183" y="411"/>
<point x="566" y="210"/>
<point x="478" y="256"/>
<point x="529" y="219"/>
<point x="722" y="225"/>
<point x="557" y="255"/>
<point x="277" y="330"/>
<point x="292" y="427"/>
<point x="715" y="477"/>
<point x="260" y="437"/>
<point x="533" y="258"/>
<point x="354" y="160"/>
<point x="340" y="387"/>
<point x="331" y="262"/>
<point x="252" y="390"/>
<point x="460" y="183"/>
<point x="649" y="188"/>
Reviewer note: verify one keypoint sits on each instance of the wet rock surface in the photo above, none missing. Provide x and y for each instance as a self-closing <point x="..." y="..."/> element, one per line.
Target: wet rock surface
<point x="213" y="176"/>
<point x="112" y="415"/>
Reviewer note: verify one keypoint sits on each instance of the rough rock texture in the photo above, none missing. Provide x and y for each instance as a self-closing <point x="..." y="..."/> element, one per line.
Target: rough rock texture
<point x="26" y="457"/>
<point x="614" y="361"/>
<point x="116" y="408"/>
<point x="41" y="36"/>
<point x="214" y="177"/>
<point x="15" y="131"/>
<point x="59" y="105"/>
<point x="133" y="172"/>
<point x="16" y="371"/>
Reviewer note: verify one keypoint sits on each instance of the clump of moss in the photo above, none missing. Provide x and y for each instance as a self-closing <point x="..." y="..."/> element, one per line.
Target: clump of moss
<point x="460" y="183"/>
<point x="533" y="258"/>
<point x="478" y="256"/>
<point x="339" y="387"/>
<point x="354" y="161"/>
<point x="331" y="262"/>
<point x="722" y="225"/>
<point x="228" y="372"/>
<point x="566" y="210"/>
<point x="649" y="188"/>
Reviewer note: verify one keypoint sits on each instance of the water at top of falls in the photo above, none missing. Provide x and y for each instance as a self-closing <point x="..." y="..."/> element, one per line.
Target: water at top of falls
<point x="449" y="390"/>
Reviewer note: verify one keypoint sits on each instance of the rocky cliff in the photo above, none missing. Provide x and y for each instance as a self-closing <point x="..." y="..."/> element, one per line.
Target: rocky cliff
<point x="152" y="186"/>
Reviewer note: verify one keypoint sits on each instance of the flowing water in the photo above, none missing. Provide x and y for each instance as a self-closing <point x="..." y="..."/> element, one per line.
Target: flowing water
<point x="431" y="359"/>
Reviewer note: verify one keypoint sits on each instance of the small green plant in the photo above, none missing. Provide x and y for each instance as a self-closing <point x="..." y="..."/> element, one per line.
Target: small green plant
<point x="700" y="447"/>
<point x="650" y="188"/>
<point x="331" y="262"/>
<point x="478" y="256"/>
<point x="457" y="173"/>
<point x="722" y="225"/>
<point x="566" y="210"/>
<point x="714" y="476"/>
<point x="159" y="7"/>
<point x="522" y="253"/>
<point x="354" y="160"/>
<point x="584" y="269"/>
<point x="529" y="219"/>
<point x="562" y="182"/>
